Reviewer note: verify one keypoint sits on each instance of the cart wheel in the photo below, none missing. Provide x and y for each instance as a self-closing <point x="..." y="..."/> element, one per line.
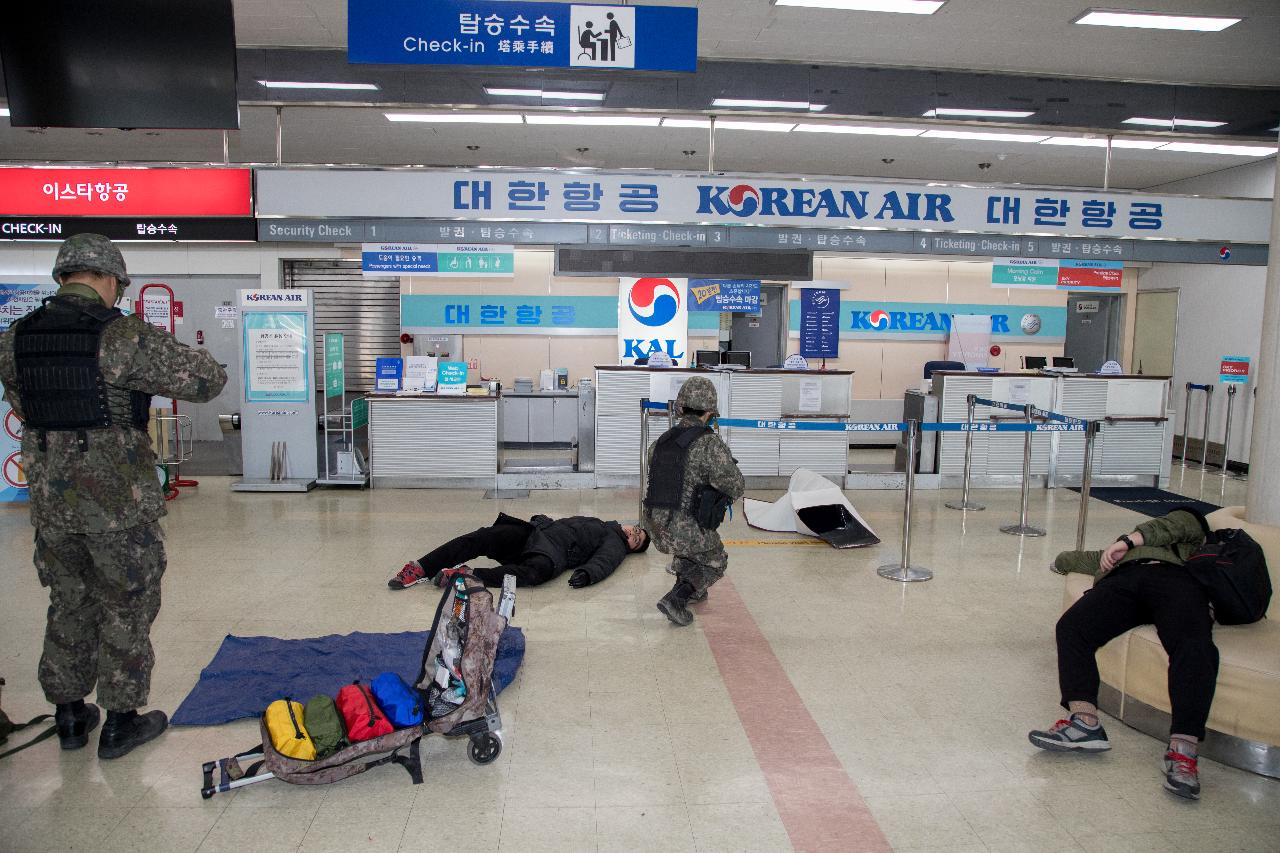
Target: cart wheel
<point x="485" y="748"/>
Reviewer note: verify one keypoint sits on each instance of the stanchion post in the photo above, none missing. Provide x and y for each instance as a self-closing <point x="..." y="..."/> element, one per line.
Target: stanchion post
<point x="1086" y="482"/>
<point x="904" y="571"/>
<point x="1208" y="410"/>
<point x="1022" y="528"/>
<point x="965" y="503"/>
<point x="1186" y="425"/>
<point x="1226" y="436"/>
<point x="644" y="452"/>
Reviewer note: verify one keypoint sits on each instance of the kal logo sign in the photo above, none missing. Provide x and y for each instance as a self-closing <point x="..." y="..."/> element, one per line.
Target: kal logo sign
<point x="653" y="316"/>
<point x="809" y="202"/>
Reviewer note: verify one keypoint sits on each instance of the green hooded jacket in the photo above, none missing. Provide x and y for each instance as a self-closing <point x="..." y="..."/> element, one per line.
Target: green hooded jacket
<point x="1170" y="539"/>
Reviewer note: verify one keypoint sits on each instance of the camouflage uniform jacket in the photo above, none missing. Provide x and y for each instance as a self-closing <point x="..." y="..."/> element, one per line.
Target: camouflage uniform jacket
<point x="708" y="462"/>
<point x="1169" y="539"/>
<point x="113" y="484"/>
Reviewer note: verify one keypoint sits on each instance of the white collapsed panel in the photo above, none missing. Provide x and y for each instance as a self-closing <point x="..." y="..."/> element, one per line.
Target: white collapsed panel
<point x="814" y="506"/>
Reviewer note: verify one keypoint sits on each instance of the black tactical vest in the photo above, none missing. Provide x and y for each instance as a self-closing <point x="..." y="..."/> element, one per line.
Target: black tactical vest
<point x="666" y="473"/>
<point x="60" y="382"/>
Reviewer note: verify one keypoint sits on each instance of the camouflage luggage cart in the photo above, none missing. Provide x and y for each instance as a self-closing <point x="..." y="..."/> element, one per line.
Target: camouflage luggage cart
<point x="466" y="615"/>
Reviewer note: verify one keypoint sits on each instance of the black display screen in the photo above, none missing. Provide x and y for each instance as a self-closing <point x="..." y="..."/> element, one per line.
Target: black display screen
<point x="124" y="63"/>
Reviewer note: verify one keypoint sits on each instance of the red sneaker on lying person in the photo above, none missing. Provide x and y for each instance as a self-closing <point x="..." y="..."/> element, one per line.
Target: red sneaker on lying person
<point x="411" y="574"/>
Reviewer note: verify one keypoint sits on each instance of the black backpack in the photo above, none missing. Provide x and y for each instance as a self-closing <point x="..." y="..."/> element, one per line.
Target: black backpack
<point x="1232" y="569"/>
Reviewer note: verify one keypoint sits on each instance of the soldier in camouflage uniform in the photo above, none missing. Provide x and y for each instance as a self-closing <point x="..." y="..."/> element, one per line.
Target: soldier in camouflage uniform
<point x="683" y="463"/>
<point x="80" y="375"/>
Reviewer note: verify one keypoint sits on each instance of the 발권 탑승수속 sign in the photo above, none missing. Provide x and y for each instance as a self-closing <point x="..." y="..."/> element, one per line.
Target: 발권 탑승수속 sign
<point x="522" y="34"/>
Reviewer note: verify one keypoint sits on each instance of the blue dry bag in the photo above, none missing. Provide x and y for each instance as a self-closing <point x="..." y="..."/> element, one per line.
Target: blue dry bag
<point x="400" y="702"/>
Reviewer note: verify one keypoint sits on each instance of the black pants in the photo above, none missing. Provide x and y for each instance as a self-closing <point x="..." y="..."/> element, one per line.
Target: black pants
<point x="502" y="542"/>
<point x="1146" y="594"/>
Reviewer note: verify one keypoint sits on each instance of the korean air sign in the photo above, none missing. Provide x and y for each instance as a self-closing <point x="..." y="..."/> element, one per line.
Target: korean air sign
<point x="930" y="321"/>
<point x="650" y="197"/>
<point x="653" y="316"/>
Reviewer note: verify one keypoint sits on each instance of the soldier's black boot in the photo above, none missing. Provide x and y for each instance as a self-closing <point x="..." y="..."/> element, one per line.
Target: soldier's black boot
<point x="75" y="720"/>
<point x="125" y="730"/>
<point x="674" y="605"/>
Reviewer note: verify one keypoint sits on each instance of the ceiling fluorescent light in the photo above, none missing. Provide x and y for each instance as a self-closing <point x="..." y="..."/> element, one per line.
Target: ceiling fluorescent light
<point x="1155" y="21"/>
<point x="910" y="7"/>
<point x="762" y="105"/>
<point x="1172" y="122"/>
<point x="982" y="136"/>
<point x="458" y="118"/>
<point x="703" y="123"/>
<point x="866" y="130"/>
<point x="285" y="84"/>
<point x="1094" y="142"/>
<point x="767" y="126"/>
<point x="539" y="93"/>
<point x="600" y="121"/>
<point x="1208" y="148"/>
<point x="959" y="113"/>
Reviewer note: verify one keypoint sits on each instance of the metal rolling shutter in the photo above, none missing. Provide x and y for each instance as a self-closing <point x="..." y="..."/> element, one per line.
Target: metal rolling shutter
<point x="366" y="310"/>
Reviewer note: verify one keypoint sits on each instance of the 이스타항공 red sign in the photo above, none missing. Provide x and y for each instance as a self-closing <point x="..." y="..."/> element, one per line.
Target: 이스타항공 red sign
<point x="126" y="192"/>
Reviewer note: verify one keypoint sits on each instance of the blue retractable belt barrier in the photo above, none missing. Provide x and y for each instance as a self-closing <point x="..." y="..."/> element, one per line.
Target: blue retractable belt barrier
<point x="1063" y="423"/>
<point x="1197" y="387"/>
<point x="1062" y="419"/>
<point x="996" y="404"/>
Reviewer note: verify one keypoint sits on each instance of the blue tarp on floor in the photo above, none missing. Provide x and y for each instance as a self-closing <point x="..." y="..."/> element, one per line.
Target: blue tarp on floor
<point x="249" y="673"/>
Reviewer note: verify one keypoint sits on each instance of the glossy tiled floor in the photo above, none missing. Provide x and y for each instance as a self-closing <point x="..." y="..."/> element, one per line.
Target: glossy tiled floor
<point x="622" y="732"/>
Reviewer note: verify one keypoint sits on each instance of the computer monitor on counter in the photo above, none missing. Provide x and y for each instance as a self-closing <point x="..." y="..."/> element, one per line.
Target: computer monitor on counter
<point x="1034" y="362"/>
<point x="706" y="358"/>
<point x="1064" y="361"/>
<point x="739" y="357"/>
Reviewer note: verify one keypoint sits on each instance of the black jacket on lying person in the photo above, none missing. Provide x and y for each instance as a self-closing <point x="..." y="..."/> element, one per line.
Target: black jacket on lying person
<point x="537" y="550"/>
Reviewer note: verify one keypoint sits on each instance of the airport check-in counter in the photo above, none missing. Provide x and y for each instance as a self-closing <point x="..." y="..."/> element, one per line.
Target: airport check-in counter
<point x="1133" y="447"/>
<point x="766" y="457"/>
<point x="433" y="441"/>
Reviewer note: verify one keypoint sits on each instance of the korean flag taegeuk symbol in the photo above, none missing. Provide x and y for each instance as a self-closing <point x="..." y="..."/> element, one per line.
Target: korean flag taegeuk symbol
<point x="602" y="36"/>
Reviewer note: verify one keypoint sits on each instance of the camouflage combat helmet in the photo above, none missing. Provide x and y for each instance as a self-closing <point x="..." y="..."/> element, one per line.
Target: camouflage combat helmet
<point x="90" y="252"/>
<point x="698" y="393"/>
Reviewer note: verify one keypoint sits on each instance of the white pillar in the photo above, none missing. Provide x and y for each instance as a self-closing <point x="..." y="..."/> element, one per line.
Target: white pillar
<point x="1263" y="500"/>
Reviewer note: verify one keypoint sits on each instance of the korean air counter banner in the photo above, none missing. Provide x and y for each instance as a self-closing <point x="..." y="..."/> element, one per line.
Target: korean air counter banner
<point x="729" y="200"/>
<point x="545" y="35"/>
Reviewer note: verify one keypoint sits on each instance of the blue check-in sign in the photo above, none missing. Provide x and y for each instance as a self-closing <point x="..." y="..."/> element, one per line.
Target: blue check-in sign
<point x="544" y="35"/>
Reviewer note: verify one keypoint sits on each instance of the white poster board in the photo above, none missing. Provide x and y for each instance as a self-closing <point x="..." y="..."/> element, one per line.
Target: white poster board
<point x="970" y="340"/>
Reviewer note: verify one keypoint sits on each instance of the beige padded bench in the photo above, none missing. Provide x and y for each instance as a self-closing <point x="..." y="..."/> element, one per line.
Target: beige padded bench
<point x="1244" y="723"/>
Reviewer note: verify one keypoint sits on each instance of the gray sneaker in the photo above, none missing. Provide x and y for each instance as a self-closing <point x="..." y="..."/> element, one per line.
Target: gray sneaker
<point x="1071" y="735"/>
<point x="1181" y="775"/>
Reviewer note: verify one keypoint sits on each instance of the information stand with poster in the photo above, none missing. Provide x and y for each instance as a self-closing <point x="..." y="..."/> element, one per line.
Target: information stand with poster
<point x="970" y="340"/>
<point x="343" y="461"/>
<point x="278" y="414"/>
<point x="16" y="302"/>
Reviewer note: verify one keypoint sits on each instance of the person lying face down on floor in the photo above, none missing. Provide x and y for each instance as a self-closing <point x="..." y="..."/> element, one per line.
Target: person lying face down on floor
<point x="1139" y="580"/>
<point x="535" y="551"/>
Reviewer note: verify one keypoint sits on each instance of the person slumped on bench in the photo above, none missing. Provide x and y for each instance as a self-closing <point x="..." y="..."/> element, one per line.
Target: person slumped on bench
<point x="535" y="551"/>
<point x="1139" y="580"/>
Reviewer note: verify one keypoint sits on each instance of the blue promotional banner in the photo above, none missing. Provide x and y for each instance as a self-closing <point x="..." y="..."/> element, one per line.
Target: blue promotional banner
<point x="545" y="35"/>
<point x="724" y="294"/>
<point x="387" y="373"/>
<point x="1234" y="368"/>
<point x="819" y="322"/>
<point x="522" y="315"/>
<point x="931" y="321"/>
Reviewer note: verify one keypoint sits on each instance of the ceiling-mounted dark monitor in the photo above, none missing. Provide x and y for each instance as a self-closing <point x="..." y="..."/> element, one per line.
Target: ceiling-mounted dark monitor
<point x="124" y="63"/>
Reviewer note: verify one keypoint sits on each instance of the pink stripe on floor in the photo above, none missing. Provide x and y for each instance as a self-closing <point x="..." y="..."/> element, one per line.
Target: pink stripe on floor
<point x="819" y="804"/>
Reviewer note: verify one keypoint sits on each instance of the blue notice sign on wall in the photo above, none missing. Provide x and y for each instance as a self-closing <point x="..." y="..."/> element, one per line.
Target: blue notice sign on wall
<point x="545" y="35"/>
<point x="398" y="258"/>
<point x="819" y="322"/>
<point x="724" y="294"/>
